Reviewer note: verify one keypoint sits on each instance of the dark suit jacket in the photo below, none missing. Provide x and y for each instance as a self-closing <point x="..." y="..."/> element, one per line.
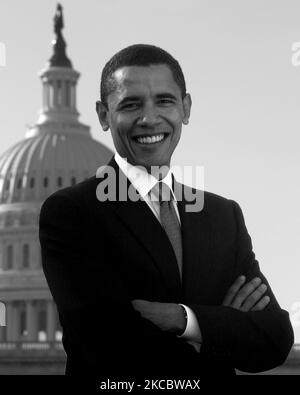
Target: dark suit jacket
<point x="98" y="256"/>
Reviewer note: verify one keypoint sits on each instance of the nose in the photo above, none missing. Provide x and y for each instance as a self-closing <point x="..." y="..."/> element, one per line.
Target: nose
<point x="149" y="115"/>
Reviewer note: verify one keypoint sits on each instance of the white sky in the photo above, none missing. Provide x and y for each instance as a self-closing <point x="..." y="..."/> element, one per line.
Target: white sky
<point x="245" y="123"/>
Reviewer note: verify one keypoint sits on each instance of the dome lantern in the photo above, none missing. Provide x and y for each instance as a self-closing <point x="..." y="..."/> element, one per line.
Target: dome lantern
<point x="59" y="81"/>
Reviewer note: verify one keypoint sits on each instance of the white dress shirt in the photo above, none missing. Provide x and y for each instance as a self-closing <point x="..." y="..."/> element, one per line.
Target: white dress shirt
<point x="143" y="182"/>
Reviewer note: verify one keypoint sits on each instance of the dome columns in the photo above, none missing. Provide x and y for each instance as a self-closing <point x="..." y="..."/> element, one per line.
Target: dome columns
<point x="31" y="308"/>
<point x="59" y="94"/>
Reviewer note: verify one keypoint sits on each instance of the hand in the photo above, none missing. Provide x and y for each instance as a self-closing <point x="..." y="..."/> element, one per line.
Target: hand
<point x="249" y="297"/>
<point x="167" y="316"/>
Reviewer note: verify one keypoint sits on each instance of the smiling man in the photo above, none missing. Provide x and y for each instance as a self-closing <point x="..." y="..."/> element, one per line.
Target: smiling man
<point x="144" y="287"/>
<point x="146" y="112"/>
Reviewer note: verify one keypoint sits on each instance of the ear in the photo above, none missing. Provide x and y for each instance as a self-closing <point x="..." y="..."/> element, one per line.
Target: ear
<point x="102" y="112"/>
<point x="187" y="104"/>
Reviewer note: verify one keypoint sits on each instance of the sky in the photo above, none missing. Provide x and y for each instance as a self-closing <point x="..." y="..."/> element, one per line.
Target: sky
<point x="245" y="123"/>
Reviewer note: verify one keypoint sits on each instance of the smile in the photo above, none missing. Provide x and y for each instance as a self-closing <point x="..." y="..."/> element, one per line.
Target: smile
<point x="150" y="139"/>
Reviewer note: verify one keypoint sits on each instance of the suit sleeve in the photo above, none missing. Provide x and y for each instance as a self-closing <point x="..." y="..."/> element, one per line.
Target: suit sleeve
<point x="95" y="311"/>
<point x="251" y="341"/>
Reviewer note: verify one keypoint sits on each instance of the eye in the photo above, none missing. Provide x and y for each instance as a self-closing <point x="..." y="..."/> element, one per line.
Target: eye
<point x="130" y="106"/>
<point x="166" y="101"/>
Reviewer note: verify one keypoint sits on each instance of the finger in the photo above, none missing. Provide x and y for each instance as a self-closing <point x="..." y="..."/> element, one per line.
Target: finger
<point x="261" y="304"/>
<point x="245" y="291"/>
<point x="138" y="303"/>
<point x="135" y="302"/>
<point x="254" y="298"/>
<point x="233" y="290"/>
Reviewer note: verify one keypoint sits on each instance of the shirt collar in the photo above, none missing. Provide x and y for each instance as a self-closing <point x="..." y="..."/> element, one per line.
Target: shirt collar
<point x="142" y="181"/>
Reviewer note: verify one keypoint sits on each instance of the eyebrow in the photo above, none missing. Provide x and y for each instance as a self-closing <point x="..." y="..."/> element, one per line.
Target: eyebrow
<point x="166" y="96"/>
<point x="129" y="99"/>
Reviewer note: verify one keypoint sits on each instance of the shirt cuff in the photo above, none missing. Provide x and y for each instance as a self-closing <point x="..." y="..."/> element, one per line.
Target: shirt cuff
<point x="192" y="331"/>
<point x="197" y="346"/>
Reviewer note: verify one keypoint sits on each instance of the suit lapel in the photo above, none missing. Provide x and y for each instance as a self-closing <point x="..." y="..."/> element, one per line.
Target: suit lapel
<point x="196" y="236"/>
<point x="139" y="218"/>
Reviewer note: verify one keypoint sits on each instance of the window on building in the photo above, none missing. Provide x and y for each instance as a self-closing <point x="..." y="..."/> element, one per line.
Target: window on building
<point x="59" y="181"/>
<point x="45" y="182"/>
<point x="73" y="180"/>
<point x="59" y="93"/>
<point x="23" y="330"/>
<point x="10" y="257"/>
<point x="51" y="94"/>
<point x="73" y="90"/>
<point x="42" y="320"/>
<point x="19" y="184"/>
<point x="39" y="258"/>
<point x="25" y="256"/>
<point x="31" y="184"/>
<point x="68" y="94"/>
<point x="42" y="325"/>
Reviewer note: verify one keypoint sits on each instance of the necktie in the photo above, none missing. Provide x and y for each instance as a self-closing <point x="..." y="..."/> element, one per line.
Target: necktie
<point x="169" y="220"/>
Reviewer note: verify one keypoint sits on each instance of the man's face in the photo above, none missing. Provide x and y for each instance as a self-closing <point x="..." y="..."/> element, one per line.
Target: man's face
<point x="145" y="114"/>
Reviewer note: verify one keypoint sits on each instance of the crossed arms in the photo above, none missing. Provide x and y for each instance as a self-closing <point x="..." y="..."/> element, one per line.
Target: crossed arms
<point x="248" y="331"/>
<point x="171" y="318"/>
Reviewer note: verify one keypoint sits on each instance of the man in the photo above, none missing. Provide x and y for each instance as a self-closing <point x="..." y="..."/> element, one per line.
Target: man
<point x="144" y="286"/>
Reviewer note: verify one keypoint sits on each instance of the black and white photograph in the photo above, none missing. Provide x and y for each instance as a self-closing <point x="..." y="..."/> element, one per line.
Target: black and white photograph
<point x="149" y="191"/>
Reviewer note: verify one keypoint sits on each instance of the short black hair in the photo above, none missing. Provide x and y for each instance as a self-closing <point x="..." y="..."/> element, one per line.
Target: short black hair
<point x="139" y="55"/>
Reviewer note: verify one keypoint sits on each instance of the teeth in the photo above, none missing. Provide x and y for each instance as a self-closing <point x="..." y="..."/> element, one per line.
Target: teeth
<point x="150" y="140"/>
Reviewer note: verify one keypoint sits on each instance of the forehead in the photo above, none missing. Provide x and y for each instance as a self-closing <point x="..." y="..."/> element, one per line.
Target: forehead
<point x="153" y="79"/>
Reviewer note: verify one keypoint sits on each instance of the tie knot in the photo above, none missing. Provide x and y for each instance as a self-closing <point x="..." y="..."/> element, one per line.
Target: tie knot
<point x="161" y="193"/>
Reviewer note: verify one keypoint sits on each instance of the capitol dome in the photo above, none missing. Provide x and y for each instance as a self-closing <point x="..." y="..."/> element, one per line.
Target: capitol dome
<point x="35" y="167"/>
<point x="57" y="151"/>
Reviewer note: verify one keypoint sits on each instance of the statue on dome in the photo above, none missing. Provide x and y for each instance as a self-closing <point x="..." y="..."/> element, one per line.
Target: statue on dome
<point x="59" y="58"/>
<point x="58" y="20"/>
